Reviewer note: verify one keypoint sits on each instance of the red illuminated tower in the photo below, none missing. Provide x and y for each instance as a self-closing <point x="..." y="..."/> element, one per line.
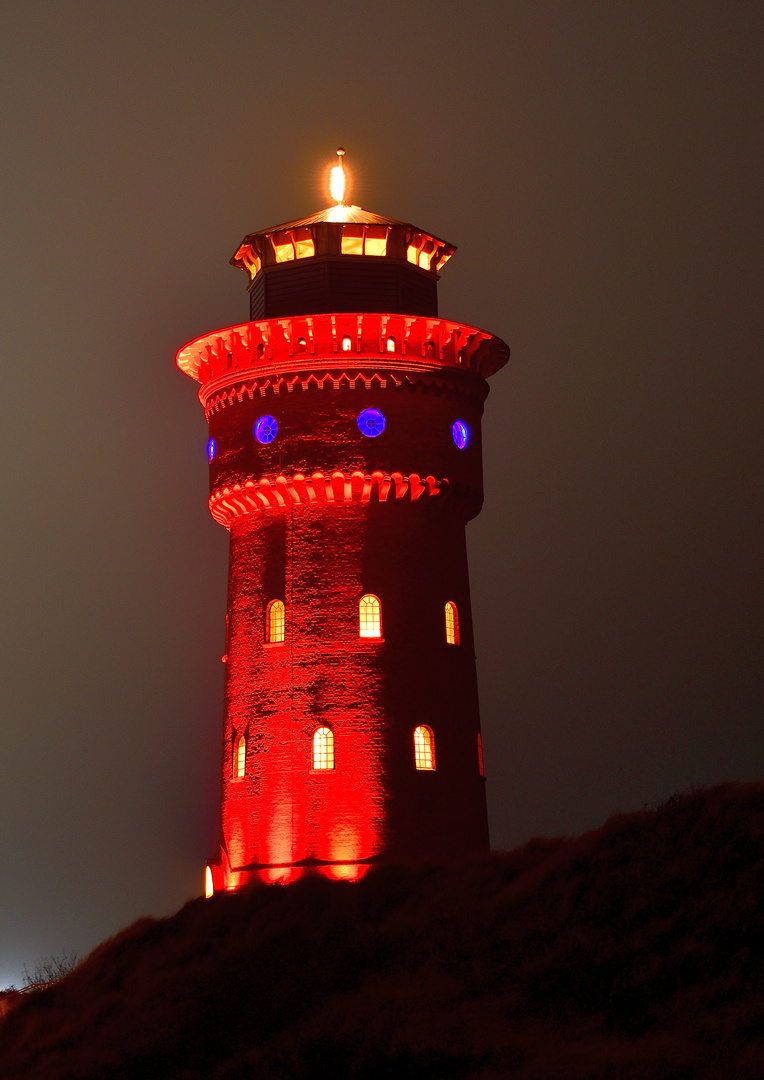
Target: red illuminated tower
<point x="345" y="461"/>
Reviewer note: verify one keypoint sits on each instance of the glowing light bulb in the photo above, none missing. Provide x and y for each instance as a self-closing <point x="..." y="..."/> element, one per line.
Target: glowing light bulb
<point x="337" y="181"/>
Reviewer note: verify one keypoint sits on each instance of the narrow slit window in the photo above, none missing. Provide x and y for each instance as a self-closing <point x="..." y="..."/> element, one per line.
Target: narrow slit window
<point x="369" y="617"/>
<point x="452" y="624"/>
<point x="323" y="748"/>
<point x="480" y="755"/>
<point x="239" y="757"/>
<point x="424" y="749"/>
<point x="275" y="622"/>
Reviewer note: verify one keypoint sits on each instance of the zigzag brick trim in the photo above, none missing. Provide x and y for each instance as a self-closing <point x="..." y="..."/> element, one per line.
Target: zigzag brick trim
<point x="218" y="394"/>
<point x="228" y="503"/>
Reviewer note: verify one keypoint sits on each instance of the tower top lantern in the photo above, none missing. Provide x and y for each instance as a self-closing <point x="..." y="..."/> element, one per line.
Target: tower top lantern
<point x="343" y="258"/>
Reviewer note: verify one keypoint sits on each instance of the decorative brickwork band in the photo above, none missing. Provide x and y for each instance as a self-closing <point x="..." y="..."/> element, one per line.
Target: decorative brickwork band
<point x="228" y="503"/>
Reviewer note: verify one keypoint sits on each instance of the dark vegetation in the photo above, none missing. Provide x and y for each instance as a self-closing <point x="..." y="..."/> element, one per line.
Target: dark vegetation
<point x="51" y="968"/>
<point x="634" y="951"/>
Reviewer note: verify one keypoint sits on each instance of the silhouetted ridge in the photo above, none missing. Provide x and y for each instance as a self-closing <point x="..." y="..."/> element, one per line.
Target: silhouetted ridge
<point x="633" y="951"/>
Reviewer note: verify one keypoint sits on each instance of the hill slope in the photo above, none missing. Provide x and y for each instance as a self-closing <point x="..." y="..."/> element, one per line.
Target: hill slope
<point x="636" y="950"/>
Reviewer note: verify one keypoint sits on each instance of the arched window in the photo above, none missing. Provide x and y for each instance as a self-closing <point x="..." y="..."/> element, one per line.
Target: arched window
<point x="239" y="757"/>
<point x="347" y="343"/>
<point x="424" y="749"/>
<point x="323" y="748"/>
<point x="369" y="617"/>
<point x="452" y="624"/>
<point x="302" y="345"/>
<point x="275" y="623"/>
<point x="391" y="344"/>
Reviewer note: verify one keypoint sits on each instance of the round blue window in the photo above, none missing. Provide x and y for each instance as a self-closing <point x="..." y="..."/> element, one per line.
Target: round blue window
<point x="211" y="448"/>
<point x="460" y="433"/>
<point x="266" y="429"/>
<point x="371" y="422"/>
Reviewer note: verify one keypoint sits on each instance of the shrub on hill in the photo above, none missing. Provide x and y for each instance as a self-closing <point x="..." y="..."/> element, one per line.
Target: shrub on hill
<point x="633" y="951"/>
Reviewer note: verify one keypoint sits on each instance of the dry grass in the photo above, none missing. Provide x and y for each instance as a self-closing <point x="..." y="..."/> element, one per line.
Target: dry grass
<point x="634" y="951"/>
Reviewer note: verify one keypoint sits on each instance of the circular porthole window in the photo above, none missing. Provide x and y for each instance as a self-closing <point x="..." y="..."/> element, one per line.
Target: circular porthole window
<point x="371" y="422"/>
<point x="460" y="433"/>
<point x="266" y="429"/>
<point x="211" y="448"/>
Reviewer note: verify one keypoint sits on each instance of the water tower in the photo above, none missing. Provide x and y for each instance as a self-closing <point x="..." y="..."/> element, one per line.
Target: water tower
<point x="345" y="462"/>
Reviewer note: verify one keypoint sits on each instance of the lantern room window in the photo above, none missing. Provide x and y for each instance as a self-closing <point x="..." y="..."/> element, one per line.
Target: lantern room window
<point x="303" y="243"/>
<point x="352" y="240"/>
<point x="375" y="240"/>
<point x="364" y="240"/>
<point x="369" y="617"/>
<point x="452" y="624"/>
<point x="283" y="247"/>
<point x="424" y="749"/>
<point x="275" y="622"/>
<point x="239" y="757"/>
<point x="293" y="244"/>
<point x="323" y="749"/>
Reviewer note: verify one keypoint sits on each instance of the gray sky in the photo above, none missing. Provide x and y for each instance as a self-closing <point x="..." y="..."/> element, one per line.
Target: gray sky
<point x="599" y="165"/>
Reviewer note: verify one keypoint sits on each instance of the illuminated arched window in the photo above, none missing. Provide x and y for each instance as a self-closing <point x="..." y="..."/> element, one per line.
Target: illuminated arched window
<point x="239" y="757"/>
<point x="323" y="749"/>
<point x="452" y="623"/>
<point x="209" y="886"/>
<point x="347" y="343"/>
<point x="302" y="345"/>
<point x="424" y="748"/>
<point x="391" y="344"/>
<point x="275" y="622"/>
<point x="369" y="617"/>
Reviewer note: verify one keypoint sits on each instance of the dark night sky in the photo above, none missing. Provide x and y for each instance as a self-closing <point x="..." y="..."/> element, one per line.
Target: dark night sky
<point x="599" y="165"/>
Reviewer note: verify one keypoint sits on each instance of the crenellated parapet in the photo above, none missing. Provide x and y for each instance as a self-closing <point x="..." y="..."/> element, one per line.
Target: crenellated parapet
<point x="404" y="342"/>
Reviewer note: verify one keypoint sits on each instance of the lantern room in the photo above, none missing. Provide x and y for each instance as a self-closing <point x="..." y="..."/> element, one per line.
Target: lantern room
<point x="342" y="259"/>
